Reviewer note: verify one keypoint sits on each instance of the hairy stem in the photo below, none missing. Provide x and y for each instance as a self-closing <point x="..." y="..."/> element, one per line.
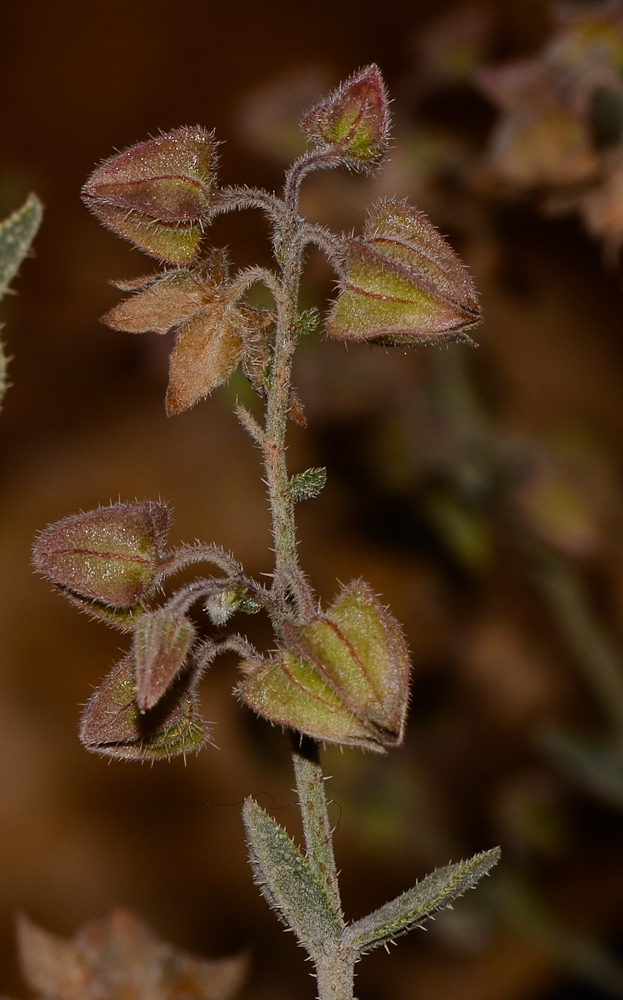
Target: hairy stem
<point x="335" y="977"/>
<point x="316" y="825"/>
<point x="289" y="253"/>
<point x="334" y="969"/>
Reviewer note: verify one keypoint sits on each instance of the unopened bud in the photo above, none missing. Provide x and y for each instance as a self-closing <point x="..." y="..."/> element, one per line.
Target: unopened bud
<point x="354" y="120"/>
<point x="111" y="554"/>
<point x="343" y="677"/>
<point x="162" y="641"/>
<point x="403" y="284"/>
<point x="156" y="193"/>
<point x="220" y="607"/>
<point x="114" y="725"/>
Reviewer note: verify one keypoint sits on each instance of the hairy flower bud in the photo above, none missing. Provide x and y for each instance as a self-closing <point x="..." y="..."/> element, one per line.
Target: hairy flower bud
<point x="157" y="193"/>
<point x="162" y="641"/>
<point x="113" y="724"/>
<point x="354" y="120"/>
<point x="343" y="677"/>
<point x="111" y="554"/>
<point x="402" y="283"/>
<point x="221" y="606"/>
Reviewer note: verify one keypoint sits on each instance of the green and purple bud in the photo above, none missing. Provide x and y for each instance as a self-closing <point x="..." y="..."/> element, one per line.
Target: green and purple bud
<point x="353" y="121"/>
<point x="111" y="555"/>
<point x="114" y="725"/>
<point x="343" y="677"/>
<point x="162" y="641"/>
<point x="402" y="283"/>
<point x="157" y="193"/>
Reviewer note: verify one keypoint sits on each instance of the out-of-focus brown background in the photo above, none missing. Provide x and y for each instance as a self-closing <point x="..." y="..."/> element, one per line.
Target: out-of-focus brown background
<point x="494" y="669"/>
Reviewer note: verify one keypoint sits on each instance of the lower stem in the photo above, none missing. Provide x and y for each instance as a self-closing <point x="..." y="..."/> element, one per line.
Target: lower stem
<point x="334" y="970"/>
<point x="335" y="977"/>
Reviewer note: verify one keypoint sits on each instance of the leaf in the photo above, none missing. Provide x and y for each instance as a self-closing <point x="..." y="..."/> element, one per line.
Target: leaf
<point x="16" y="235"/>
<point x="167" y="302"/>
<point x="416" y="905"/>
<point x="207" y="350"/>
<point x="120" y="957"/>
<point x="288" y="884"/>
<point x="307" y="485"/>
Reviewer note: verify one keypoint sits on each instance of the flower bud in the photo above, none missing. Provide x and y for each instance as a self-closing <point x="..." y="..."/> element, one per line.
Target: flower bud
<point x="354" y="120"/>
<point x="343" y="677"/>
<point x="113" y="724"/>
<point x="402" y="283"/>
<point x="162" y="641"/>
<point x="111" y="554"/>
<point x="221" y="606"/>
<point x="156" y="193"/>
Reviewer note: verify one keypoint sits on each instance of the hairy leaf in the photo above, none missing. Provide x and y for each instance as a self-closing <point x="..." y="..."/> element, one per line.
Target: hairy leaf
<point x="287" y="882"/>
<point x="307" y="485"/>
<point x="416" y="905"/>
<point x="16" y="235"/>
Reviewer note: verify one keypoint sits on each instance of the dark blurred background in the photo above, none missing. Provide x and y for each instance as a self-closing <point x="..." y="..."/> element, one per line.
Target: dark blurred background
<point x="477" y="491"/>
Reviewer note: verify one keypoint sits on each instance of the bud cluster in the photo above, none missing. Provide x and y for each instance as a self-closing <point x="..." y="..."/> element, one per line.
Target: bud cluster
<point x="340" y="676"/>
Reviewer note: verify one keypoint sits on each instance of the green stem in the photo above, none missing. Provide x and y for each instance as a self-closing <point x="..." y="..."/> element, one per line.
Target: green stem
<point x="335" y="977"/>
<point x="316" y="826"/>
<point x="335" y="970"/>
<point x="289" y="253"/>
<point x="594" y="648"/>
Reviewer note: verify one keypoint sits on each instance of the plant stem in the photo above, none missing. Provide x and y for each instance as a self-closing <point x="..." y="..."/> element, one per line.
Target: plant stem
<point x="316" y="825"/>
<point x="595" y="650"/>
<point x="289" y="254"/>
<point x="335" y="976"/>
<point x="335" y="969"/>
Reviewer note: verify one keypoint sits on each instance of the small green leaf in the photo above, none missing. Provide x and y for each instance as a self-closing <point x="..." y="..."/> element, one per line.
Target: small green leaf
<point x="416" y="905"/>
<point x="288" y="884"/>
<point x="16" y="234"/>
<point x="307" y="485"/>
<point x="307" y="322"/>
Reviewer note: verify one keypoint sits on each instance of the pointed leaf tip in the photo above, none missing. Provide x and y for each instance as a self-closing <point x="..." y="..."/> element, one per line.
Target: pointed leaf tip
<point x="418" y="904"/>
<point x="287" y="882"/>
